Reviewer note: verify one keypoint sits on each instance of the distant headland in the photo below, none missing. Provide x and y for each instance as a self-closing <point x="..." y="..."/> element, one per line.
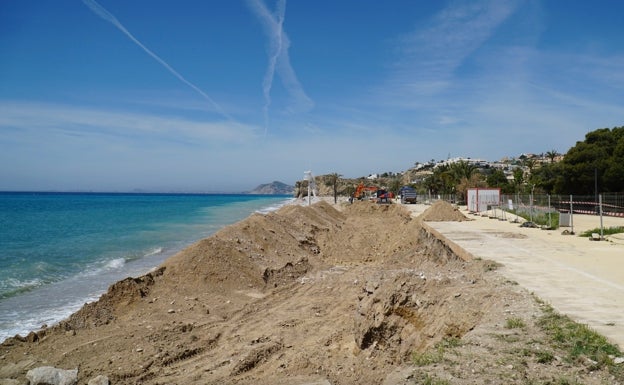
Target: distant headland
<point x="275" y="187"/>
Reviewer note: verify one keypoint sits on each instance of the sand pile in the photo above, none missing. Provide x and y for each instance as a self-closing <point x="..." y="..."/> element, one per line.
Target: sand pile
<point x="308" y="294"/>
<point x="442" y="211"/>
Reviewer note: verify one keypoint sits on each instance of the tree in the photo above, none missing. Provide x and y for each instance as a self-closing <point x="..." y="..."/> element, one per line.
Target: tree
<point x="298" y="188"/>
<point x="498" y="179"/>
<point x="463" y="170"/>
<point x="529" y="163"/>
<point x="332" y="180"/>
<point x="614" y="173"/>
<point x="475" y="180"/>
<point x="546" y="176"/>
<point x="465" y="176"/>
<point x="441" y="181"/>
<point x="395" y="185"/>
<point x="518" y="175"/>
<point x="552" y="154"/>
<point x="596" y="160"/>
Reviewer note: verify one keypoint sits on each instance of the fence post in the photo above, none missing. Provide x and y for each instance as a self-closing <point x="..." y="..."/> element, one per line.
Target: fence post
<point x="600" y="205"/>
<point x="549" y="217"/>
<point x="531" y="211"/>
<point x="571" y="216"/>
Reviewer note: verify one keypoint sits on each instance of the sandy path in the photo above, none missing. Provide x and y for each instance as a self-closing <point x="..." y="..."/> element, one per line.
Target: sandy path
<point x="578" y="277"/>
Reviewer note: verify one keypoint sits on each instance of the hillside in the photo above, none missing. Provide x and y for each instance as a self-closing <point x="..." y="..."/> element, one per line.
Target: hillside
<point x="275" y="187"/>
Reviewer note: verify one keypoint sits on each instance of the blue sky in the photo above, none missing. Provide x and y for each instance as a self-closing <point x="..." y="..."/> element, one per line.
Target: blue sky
<point x="220" y="96"/>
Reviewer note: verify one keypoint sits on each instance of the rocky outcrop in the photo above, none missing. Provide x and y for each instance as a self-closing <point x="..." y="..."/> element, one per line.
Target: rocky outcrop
<point x="273" y="188"/>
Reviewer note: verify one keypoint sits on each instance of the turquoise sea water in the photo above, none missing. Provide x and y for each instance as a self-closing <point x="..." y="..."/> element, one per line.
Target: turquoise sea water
<point x="60" y="250"/>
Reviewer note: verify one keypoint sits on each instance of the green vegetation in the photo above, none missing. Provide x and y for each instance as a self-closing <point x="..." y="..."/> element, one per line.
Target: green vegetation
<point x="605" y="231"/>
<point x="544" y="357"/>
<point x="428" y="380"/>
<point x="600" y="155"/>
<point x="539" y="218"/>
<point x="581" y="343"/>
<point x="514" y="323"/>
<point x="454" y="179"/>
<point x="435" y="355"/>
<point x="428" y="357"/>
<point x="561" y="343"/>
<point x="595" y="163"/>
<point x="332" y="180"/>
<point x="598" y="160"/>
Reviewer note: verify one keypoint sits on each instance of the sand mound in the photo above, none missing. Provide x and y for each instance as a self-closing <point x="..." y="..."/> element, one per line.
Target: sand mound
<point x="243" y="255"/>
<point x="442" y="211"/>
<point x="307" y="294"/>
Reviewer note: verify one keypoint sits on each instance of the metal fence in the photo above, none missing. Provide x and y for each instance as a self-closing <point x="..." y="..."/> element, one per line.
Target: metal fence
<point x="612" y="204"/>
<point x="609" y="204"/>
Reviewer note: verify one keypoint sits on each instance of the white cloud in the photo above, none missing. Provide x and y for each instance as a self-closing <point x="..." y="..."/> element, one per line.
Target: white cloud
<point x="71" y="120"/>
<point x="432" y="53"/>
<point x="279" y="60"/>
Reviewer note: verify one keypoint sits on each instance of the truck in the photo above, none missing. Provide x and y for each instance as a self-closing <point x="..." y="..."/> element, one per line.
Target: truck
<point x="384" y="196"/>
<point x="407" y="194"/>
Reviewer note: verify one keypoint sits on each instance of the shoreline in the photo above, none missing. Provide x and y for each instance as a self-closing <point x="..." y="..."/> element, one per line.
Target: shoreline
<point x="327" y="294"/>
<point x="614" y="275"/>
<point x="52" y="303"/>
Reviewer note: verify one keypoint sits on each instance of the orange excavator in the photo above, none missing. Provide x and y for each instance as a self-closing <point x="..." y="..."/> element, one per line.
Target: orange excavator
<point x="361" y="190"/>
<point x="373" y="193"/>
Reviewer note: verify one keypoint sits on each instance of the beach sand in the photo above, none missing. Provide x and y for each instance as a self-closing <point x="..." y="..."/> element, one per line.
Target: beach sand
<point x="345" y="294"/>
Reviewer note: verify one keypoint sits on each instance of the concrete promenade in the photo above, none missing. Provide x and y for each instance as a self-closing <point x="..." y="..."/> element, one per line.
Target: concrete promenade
<point x="578" y="277"/>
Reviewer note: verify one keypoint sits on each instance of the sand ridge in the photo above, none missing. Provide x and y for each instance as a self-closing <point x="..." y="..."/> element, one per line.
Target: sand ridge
<point x="315" y="294"/>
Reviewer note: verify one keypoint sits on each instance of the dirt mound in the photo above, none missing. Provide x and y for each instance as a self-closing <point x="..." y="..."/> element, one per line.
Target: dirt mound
<point x="371" y="233"/>
<point x="119" y="294"/>
<point x="307" y="294"/>
<point x="239" y="256"/>
<point x="442" y="211"/>
<point x="370" y="207"/>
<point x="399" y="315"/>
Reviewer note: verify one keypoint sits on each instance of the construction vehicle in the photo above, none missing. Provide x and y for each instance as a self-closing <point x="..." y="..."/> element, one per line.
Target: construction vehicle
<point x="408" y="194"/>
<point x="384" y="196"/>
<point x="362" y="191"/>
<point x="373" y="193"/>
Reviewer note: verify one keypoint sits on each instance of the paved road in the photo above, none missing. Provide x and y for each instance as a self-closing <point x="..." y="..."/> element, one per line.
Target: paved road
<point x="581" y="278"/>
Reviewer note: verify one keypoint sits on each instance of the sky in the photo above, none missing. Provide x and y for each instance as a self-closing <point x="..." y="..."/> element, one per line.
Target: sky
<point x="224" y="95"/>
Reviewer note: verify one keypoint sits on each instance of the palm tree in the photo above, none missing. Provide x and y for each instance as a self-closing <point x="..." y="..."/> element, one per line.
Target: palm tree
<point x="465" y="175"/>
<point x="463" y="170"/>
<point x="298" y="188"/>
<point x="552" y="154"/>
<point x="332" y="180"/>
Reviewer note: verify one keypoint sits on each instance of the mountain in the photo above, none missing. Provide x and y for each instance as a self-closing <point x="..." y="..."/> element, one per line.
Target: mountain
<point x="273" y="188"/>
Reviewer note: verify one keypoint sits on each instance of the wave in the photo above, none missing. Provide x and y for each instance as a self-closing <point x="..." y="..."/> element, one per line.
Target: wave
<point x="47" y="273"/>
<point x="276" y="206"/>
<point x="115" y="263"/>
<point x="154" y="251"/>
<point x="19" y="321"/>
<point x="118" y="263"/>
<point x="11" y="287"/>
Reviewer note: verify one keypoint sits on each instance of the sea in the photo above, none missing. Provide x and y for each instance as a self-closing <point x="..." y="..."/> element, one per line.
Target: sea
<point x="59" y="251"/>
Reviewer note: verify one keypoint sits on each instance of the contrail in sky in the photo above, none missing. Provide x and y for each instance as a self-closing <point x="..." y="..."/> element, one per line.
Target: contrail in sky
<point x="276" y="49"/>
<point x="104" y="14"/>
<point x="278" y="56"/>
